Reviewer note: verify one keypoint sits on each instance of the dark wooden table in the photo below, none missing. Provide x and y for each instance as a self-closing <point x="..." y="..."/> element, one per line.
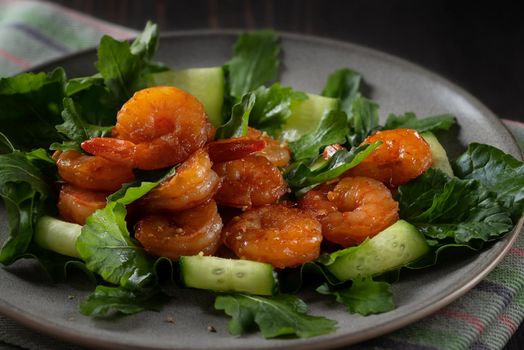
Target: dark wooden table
<point x="480" y="47"/>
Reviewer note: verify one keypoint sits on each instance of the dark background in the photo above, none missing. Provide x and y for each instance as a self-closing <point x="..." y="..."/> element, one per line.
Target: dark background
<point x="479" y="47"/>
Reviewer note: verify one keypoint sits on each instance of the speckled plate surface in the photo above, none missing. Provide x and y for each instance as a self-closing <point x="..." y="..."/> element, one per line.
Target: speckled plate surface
<point x="27" y="296"/>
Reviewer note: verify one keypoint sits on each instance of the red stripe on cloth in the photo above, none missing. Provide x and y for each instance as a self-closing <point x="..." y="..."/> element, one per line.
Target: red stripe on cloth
<point x="508" y="323"/>
<point x="516" y="251"/>
<point x="97" y="25"/>
<point x="16" y="60"/>
<point x="459" y="315"/>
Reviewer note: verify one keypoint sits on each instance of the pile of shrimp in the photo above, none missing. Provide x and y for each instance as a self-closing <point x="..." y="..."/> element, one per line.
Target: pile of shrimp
<point x="229" y="196"/>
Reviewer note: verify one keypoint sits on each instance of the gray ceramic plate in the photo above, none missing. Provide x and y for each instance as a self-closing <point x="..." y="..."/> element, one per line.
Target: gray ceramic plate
<point x="27" y="296"/>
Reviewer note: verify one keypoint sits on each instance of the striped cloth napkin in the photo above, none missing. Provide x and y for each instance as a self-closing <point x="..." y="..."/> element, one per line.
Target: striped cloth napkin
<point x="32" y="32"/>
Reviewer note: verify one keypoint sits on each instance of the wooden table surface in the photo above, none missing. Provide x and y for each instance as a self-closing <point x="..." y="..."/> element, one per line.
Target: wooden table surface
<point x="480" y="48"/>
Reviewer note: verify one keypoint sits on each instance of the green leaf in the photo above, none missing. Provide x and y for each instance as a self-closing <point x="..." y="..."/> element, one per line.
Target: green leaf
<point x="276" y="316"/>
<point x="331" y="129"/>
<point x="409" y="121"/>
<point x="363" y="120"/>
<point x="146" y="43"/>
<point x="5" y="145"/>
<point x="33" y="100"/>
<point x="302" y="176"/>
<point x="107" y="300"/>
<point x="24" y="191"/>
<point x="107" y="248"/>
<point x="75" y="128"/>
<point x="254" y="62"/>
<point x="345" y="85"/>
<point x="273" y="107"/>
<point x="237" y="124"/>
<point x="118" y="66"/>
<point x="450" y="210"/>
<point x="66" y="146"/>
<point x="97" y="104"/>
<point x="497" y="171"/>
<point x="364" y="297"/>
<point x="122" y="65"/>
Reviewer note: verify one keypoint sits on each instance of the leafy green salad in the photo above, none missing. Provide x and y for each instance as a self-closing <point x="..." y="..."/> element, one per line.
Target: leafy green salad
<point x="466" y="203"/>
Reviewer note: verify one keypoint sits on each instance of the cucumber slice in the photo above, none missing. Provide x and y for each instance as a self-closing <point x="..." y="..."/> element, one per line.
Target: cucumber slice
<point x="228" y="275"/>
<point x="396" y="246"/>
<point x="57" y="235"/>
<point x="440" y="157"/>
<point x="206" y="84"/>
<point x="305" y="116"/>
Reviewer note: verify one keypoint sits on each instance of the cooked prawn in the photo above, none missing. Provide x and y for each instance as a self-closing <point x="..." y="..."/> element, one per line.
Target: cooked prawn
<point x="276" y="152"/>
<point x="193" y="184"/>
<point x="76" y="204"/>
<point x="352" y="209"/>
<point x="158" y="127"/>
<point x="92" y="172"/>
<point x="249" y="182"/>
<point x="188" y="232"/>
<point x="275" y="234"/>
<point x="403" y="156"/>
<point x="234" y="148"/>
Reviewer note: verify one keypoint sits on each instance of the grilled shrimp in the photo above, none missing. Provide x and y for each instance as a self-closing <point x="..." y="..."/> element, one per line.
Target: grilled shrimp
<point x="76" y="204"/>
<point x="249" y="182"/>
<point x="158" y="127"/>
<point x="275" y="234"/>
<point x="275" y="151"/>
<point x="187" y="232"/>
<point x="92" y="172"/>
<point x="403" y="156"/>
<point x="193" y="184"/>
<point x="351" y="210"/>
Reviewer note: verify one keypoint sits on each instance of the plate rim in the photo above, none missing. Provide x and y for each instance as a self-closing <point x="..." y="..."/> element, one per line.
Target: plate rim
<point x="74" y="336"/>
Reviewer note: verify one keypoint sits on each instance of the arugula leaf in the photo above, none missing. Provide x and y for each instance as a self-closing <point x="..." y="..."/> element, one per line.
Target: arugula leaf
<point x="74" y="126"/>
<point x="331" y="129"/>
<point x="24" y="190"/>
<point x="497" y="171"/>
<point x="77" y="85"/>
<point x="254" y="62"/>
<point x="118" y="66"/>
<point x="343" y="84"/>
<point x="302" y="176"/>
<point x="273" y="107"/>
<point x="98" y="105"/>
<point x="275" y="316"/>
<point x="364" y="297"/>
<point x="146" y="43"/>
<point x="409" y="120"/>
<point x="35" y="100"/>
<point x="451" y="210"/>
<point x="106" y="300"/>
<point x="5" y="145"/>
<point x="122" y="65"/>
<point x="107" y="248"/>
<point x="237" y="124"/>
<point x="363" y="120"/>
<point x="57" y="266"/>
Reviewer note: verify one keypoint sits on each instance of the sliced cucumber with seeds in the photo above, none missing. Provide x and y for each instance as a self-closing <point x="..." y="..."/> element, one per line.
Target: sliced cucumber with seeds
<point x="440" y="157"/>
<point x="228" y="275"/>
<point x="305" y="116"/>
<point x="206" y="84"/>
<point x="396" y="246"/>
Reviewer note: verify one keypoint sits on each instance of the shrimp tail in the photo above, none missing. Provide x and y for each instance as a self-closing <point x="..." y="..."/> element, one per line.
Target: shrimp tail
<point x="115" y="150"/>
<point x="232" y="149"/>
